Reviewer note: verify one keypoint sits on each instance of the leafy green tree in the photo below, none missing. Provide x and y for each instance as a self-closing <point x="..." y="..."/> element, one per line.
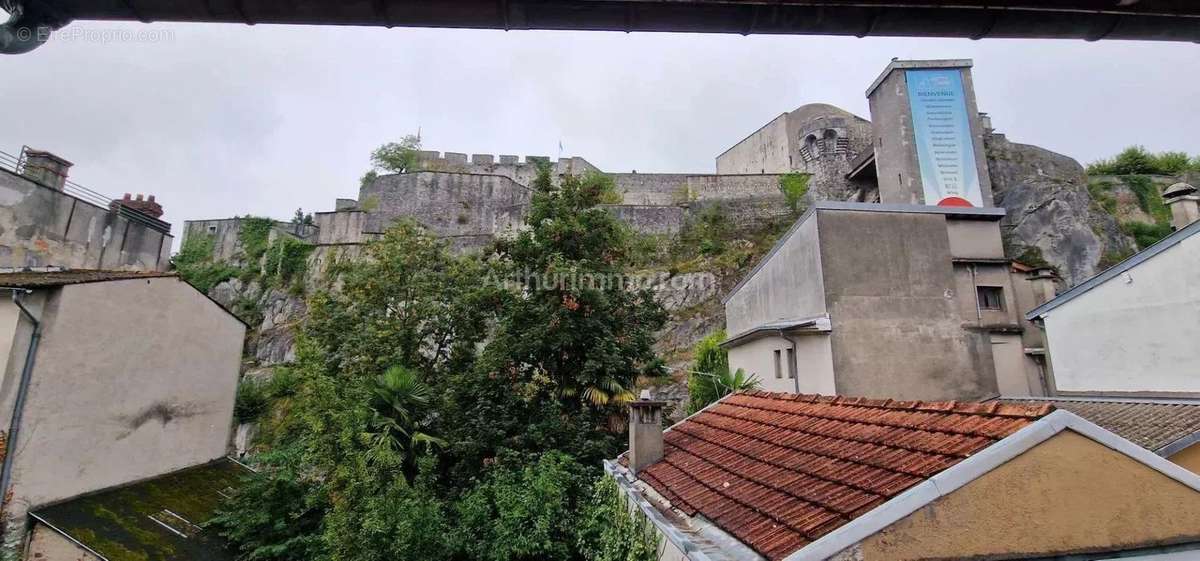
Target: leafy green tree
<point x="524" y="512"/>
<point x="394" y="157"/>
<point x="574" y="331"/>
<point x="610" y="530"/>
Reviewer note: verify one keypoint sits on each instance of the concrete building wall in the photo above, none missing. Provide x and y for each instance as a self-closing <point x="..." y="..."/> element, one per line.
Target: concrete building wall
<point x="225" y="233"/>
<point x="1189" y="458"/>
<point x="1067" y="495"/>
<point x="41" y="227"/>
<point x="83" y="427"/>
<point x="46" y="544"/>
<point x="897" y="327"/>
<point x="766" y="150"/>
<point x="896" y="161"/>
<point x="788" y="283"/>
<point x="1135" y="333"/>
<point x="813" y="357"/>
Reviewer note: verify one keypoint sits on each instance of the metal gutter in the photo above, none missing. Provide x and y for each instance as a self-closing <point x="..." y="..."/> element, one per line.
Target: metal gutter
<point x="1112" y="272"/>
<point x="14" y="427"/>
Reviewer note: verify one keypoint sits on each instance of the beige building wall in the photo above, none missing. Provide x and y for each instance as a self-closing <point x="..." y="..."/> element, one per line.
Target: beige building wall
<point x="134" y="378"/>
<point x="764" y="151"/>
<point x="813" y="358"/>
<point x="1188" y="458"/>
<point x="47" y="545"/>
<point x="1069" y="494"/>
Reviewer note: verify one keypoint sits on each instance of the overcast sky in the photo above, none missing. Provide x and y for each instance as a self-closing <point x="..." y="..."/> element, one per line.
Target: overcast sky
<point x="222" y="120"/>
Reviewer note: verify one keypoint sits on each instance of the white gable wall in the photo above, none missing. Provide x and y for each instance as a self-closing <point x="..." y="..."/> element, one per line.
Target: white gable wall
<point x="1138" y="332"/>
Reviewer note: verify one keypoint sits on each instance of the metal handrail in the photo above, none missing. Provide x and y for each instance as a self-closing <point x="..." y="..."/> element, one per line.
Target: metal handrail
<point x="17" y="165"/>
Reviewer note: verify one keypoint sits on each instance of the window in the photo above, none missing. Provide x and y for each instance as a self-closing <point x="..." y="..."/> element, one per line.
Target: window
<point x="778" y="365"/>
<point x="990" y="297"/>
<point x="212" y="229"/>
<point x="791" y="358"/>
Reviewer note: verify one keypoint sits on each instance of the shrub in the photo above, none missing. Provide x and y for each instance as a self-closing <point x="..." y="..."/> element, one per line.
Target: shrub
<point x="1149" y="198"/>
<point x="1137" y="160"/>
<point x="286" y="260"/>
<point x="794" y="186"/>
<point x="610" y="530"/>
<point x="251" y="401"/>
<point x="194" y="264"/>
<point x="253" y="235"/>
<point x="1146" y="235"/>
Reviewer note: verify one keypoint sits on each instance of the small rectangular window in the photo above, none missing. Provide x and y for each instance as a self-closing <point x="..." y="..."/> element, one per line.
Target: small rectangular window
<point x="990" y="297"/>
<point x="778" y="365"/>
<point x="791" y="358"/>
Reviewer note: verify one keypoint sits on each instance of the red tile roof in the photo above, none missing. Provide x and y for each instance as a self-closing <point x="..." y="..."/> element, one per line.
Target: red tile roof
<point x="778" y="471"/>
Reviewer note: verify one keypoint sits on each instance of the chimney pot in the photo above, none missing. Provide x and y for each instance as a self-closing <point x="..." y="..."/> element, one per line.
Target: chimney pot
<point x="150" y="198"/>
<point x="128" y="197"/>
<point x="139" y="197"/>
<point x="645" y="432"/>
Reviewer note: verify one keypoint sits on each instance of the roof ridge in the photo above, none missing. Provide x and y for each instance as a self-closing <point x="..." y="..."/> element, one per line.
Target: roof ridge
<point x="993" y="408"/>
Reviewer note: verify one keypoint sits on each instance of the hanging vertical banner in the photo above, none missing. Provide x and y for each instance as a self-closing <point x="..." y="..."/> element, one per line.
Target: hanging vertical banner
<point x="945" y="149"/>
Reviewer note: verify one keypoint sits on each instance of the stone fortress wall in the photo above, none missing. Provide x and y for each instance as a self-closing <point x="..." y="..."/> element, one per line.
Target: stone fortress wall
<point x="470" y="198"/>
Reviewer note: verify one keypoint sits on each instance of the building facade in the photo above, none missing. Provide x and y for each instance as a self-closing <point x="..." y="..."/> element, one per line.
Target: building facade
<point x="911" y="297"/>
<point x="1133" y="329"/>
<point x="109" y="378"/>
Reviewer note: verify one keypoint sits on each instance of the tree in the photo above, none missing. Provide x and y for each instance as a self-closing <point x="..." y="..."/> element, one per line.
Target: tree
<point x="710" y="378"/>
<point x="394" y="157"/>
<point x="575" y="329"/>
<point x="401" y="403"/>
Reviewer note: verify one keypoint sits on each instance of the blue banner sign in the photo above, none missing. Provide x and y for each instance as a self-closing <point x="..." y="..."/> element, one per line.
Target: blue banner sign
<point x="945" y="149"/>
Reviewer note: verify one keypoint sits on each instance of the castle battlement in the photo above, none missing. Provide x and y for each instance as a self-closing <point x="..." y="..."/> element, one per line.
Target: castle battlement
<point x="463" y="159"/>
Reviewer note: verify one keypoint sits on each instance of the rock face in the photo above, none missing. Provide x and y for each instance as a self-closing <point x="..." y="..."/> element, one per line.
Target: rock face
<point x="274" y="316"/>
<point x="1051" y="215"/>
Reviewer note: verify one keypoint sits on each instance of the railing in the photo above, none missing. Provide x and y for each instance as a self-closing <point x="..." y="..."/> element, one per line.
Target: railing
<point x="17" y="166"/>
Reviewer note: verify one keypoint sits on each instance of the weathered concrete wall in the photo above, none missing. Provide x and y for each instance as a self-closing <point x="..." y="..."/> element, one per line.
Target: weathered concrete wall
<point x="766" y="150"/>
<point x="47" y="545"/>
<point x="41" y="227"/>
<point x="787" y="285"/>
<point x="1067" y="495"/>
<point x="1136" y="332"/>
<point x="84" y="429"/>
<point x="896" y="160"/>
<point x="897" y="327"/>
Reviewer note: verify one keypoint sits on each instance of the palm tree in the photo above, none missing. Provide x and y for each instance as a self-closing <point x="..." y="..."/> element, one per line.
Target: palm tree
<point x="400" y="403"/>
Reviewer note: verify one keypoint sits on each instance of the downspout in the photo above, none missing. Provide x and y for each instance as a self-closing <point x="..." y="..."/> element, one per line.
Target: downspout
<point x="14" y="426"/>
<point x="795" y="356"/>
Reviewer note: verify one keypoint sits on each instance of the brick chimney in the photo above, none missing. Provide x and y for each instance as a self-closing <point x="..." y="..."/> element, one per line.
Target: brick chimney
<point x="1181" y="198"/>
<point x="145" y="205"/>
<point x="45" y="168"/>
<point x="645" y="432"/>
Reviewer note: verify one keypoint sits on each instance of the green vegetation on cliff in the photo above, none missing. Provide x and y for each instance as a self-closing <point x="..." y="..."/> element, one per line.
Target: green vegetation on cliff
<point x="524" y="360"/>
<point x="1136" y="160"/>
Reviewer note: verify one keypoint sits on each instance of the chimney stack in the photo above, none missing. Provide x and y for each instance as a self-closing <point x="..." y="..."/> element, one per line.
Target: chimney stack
<point x="645" y="432"/>
<point x="45" y="168"/>
<point x="1044" y="282"/>
<point x="143" y="204"/>
<point x="1181" y="198"/>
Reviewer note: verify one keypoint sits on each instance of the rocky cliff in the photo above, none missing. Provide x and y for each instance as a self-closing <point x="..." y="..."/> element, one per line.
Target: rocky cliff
<point x="1052" y="218"/>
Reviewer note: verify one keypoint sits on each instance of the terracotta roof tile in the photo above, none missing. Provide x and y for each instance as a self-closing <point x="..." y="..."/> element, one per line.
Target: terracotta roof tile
<point x="778" y="471"/>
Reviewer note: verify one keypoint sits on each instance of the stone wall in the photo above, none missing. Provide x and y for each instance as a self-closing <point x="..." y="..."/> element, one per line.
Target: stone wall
<point x="512" y="167"/>
<point x="226" y="231"/>
<point x="449" y="204"/>
<point x="41" y="227"/>
<point x="652" y="220"/>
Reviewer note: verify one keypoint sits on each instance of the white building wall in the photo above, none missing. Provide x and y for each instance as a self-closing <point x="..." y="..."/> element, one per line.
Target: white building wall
<point x="814" y="363"/>
<point x="1137" y="332"/>
<point x="134" y="379"/>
